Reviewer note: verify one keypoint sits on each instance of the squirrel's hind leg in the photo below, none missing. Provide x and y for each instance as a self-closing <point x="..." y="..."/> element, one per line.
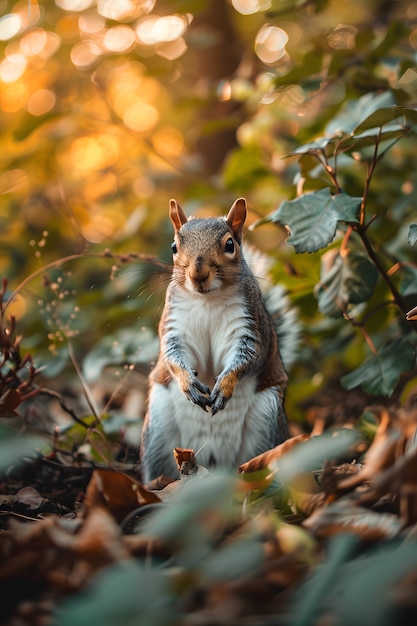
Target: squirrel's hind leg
<point x="159" y="436"/>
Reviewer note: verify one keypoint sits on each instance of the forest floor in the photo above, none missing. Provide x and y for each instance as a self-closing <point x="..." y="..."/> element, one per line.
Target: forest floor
<point x="320" y="530"/>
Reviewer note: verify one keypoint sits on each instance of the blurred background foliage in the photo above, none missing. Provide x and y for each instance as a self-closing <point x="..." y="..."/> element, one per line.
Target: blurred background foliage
<point x="108" y="108"/>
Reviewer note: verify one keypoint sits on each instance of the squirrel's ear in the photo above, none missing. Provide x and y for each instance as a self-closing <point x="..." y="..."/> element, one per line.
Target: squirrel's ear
<point x="177" y="215"/>
<point x="236" y="218"/>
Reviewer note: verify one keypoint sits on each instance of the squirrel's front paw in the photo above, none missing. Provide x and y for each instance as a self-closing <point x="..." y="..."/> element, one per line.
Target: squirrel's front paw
<point x="222" y="392"/>
<point x="194" y="390"/>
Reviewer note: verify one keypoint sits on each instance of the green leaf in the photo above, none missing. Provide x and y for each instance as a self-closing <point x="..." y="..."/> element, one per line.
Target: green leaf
<point x="354" y="112"/>
<point x="408" y="285"/>
<point x="389" y="131"/>
<point x="126" y="594"/>
<point x="364" y="589"/>
<point x="412" y="234"/>
<point x="312" y="146"/>
<point x="234" y="560"/>
<point x="190" y="502"/>
<point x="308" y="601"/>
<point x="313" y="218"/>
<point x="244" y="167"/>
<point x="378" y="118"/>
<point x="14" y="446"/>
<point x="351" y="279"/>
<point x="395" y="32"/>
<point x="378" y="375"/>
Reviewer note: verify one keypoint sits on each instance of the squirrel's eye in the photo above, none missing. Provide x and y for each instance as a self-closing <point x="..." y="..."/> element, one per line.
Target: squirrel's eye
<point x="229" y="245"/>
<point x="174" y="247"/>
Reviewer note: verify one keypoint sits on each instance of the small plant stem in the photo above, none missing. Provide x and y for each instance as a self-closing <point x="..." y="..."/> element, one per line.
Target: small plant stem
<point x="365" y="335"/>
<point x="54" y="394"/>
<point x="375" y="260"/>
<point x="88" y="396"/>
<point x="330" y="171"/>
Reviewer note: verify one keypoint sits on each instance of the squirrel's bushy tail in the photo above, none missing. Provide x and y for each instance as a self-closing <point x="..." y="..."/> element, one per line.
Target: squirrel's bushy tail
<point x="286" y="322"/>
<point x="278" y="304"/>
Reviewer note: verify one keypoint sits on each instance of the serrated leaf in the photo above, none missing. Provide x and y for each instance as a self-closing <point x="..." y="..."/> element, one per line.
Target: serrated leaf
<point x="354" y="112"/>
<point x="350" y="279"/>
<point x="313" y="218"/>
<point x="378" y="375"/>
<point x="412" y="234"/>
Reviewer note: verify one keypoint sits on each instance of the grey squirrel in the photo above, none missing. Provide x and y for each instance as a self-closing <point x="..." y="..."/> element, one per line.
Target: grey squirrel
<point x="219" y="381"/>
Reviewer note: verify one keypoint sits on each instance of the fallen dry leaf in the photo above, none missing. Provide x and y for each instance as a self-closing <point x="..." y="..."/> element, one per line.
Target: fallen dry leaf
<point x="118" y="492"/>
<point x="266" y="458"/>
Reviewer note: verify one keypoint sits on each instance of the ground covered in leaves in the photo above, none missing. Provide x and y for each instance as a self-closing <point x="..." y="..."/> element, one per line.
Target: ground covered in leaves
<point x="320" y="530"/>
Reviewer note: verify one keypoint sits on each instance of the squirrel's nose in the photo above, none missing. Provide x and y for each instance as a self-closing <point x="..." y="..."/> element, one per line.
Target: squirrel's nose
<point x="198" y="275"/>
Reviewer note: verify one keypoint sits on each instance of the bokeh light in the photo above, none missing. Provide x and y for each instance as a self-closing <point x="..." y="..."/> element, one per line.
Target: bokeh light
<point x="10" y="25"/>
<point x="141" y="117"/>
<point x="171" y="49"/>
<point x="124" y="9"/>
<point x="41" y="101"/>
<point x="154" y="29"/>
<point x="94" y="153"/>
<point x="248" y="7"/>
<point x="12" y="68"/>
<point x="74" y="5"/>
<point x="119" y="39"/>
<point x="85" y="55"/>
<point x="270" y="44"/>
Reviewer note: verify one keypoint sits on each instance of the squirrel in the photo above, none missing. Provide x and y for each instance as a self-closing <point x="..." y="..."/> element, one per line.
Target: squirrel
<point x="218" y="384"/>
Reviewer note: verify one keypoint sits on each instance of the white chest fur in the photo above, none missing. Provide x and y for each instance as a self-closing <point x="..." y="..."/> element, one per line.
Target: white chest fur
<point x="209" y="328"/>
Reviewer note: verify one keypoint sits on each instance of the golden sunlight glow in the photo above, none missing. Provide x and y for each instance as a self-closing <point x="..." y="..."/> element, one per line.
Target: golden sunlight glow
<point x="74" y="5"/>
<point x="41" y="101"/>
<point x="168" y="142"/>
<point x="124" y="9"/>
<point x="171" y="49"/>
<point x="248" y="7"/>
<point x="13" y="97"/>
<point x="94" y="153"/>
<point x="85" y="54"/>
<point x="12" y="180"/>
<point x="270" y="44"/>
<point x="39" y="42"/>
<point x="10" y="25"/>
<point x="141" y="117"/>
<point x="99" y="228"/>
<point x="119" y="39"/>
<point x="12" y="68"/>
<point x="91" y="24"/>
<point x="33" y="43"/>
<point x="154" y="29"/>
<point x="127" y="85"/>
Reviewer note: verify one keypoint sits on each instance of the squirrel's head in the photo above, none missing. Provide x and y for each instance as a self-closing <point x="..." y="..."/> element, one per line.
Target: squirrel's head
<point x="207" y="251"/>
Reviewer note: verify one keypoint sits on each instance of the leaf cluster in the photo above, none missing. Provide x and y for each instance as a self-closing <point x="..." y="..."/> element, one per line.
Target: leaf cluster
<point x="352" y="270"/>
